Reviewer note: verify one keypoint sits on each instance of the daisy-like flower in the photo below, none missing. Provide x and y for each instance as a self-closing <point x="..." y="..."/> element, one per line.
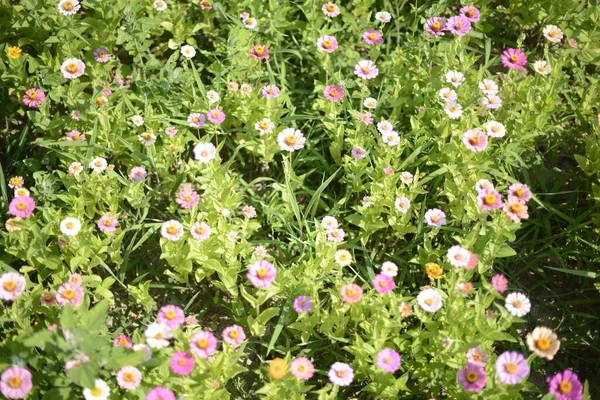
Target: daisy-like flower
<point x="471" y="13"/>
<point x="75" y="168"/>
<point x="261" y="274"/>
<point x="264" y="126"/>
<point x="302" y="368"/>
<point x="333" y="93"/>
<point x="291" y="139"/>
<point x="250" y="22"/>
<point x="433" y="270"/>
<point x="435" y="217"/>
<point x="405" y="309"/>
<point x="249" y="211"/>
<point x="448" y="95"/>
<point x="48" y="299"/>
<point x="69" y="7"/>
<point x="107" y="223"/>
<point x="200" y="231"/>
<point x="477" y="356"/>
<point x="159" y="392"/>
<point x="246" y="89"/>
<point x="137" y="120"/>
<point x="69" y="293"/>
<point x="483" y="184"/>
<point x="138" y="174"/>
<point x="517" y="304"/>
<point x="384" y="126"/>
<point x="170" y="315"/>
<point x="491" y="102"/>
<point x="542" y="67"/>
<point x="391" y="138"/>
<point x="488" y="87"/>
<point x="475" y="140"/>
<point x="188" y="51"/>
<point x="74" y="136"/>
<point x="340" y="374"/>
<point x="553" y="33"/>
<point x="402" y="204"/>
<point x="21" y="206"/>
<point x="100" y="391"/>
<point x="70" y="226"/>
<point x="388" y="171"/>
<point x="473" y="378"/>
<point x="327" y="43"/>
<point x="196" y="120"/>
<point x="203" y="344"/>
<point x="259" y="52"/>
<point x="232" y="86"/>
<point x="499" y="283"/>
<point x="388" y="360"/>
<point x="16" y="182"/>
<point x="513" y="59"/>
<point x="270" y="91"/>
<point x="366" y="69"/>
<point x="212" y="96"/>
<point x="358" y="152"/>
<point x="515" y="209"/>
<point x="458" y="25"/>
<point x="205" y="5"/>
<point x="383" y="283"/>
<point x="495" y="129"/>
<point x="372" y="37"/>
<point x="204" y="152"/>
<point x="464" y="288"/>
<point x="328" y="223"/>
<point x="453" y="110"/>
<point x="171" y="130"/>
<point x="336" y="235"/>
<point x="216" y="116"/>
<point x="15" y="382"/>
<point x="429" y="300"/>
<point x="520" y="191"/>
<point x="435" y="26"/>
<point x="147" y="139"/>
<point x="33" y="97"/>
<point x="406" y="177"/>
<point x="458" y="256"/>
<point x="182" y="363"/>
<point x="389" y="268"/>
<point x="370" y="103"/>
<point x="277" y="368"/>
<point x="302" y="304"/>
<point x="233" y="335"/>
<point x="383" y="16"/>
<point x="351" y="293"/>
<point x="12" y="285"/>
<point x="330" y="9"/>
<point x="343" y="257"/>
<point x="543" y="342"/>
<point x="455" y="78"/>
<point x="123" y="340"/>
<point x="565" y="386"/>
<point x="98" y="164"/>
<point x="511" y="367"/>
<point x="129" y="378"/>
<point x="72" y="68"/>
<point x="158" y="335"/>
<point x="489" y="200"/>
<point x="172" y="230"/>
<point x="160" y="5"/>
<point x="13" y="52"/>
<point x="366" y="118"/>
<point x="261" y="252"/>
<point x="101" y="55"/>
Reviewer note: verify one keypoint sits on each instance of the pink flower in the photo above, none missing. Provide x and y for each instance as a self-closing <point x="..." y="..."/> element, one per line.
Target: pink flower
<point x="75" y="279"/>
<point x="330" y="9"/>
<point x="459" y="25"/>
<point x="259" y="52"/>
<point x="358" y="152"/>
<point x="341" y="374"/>
<point x="366" y="69"/>
<point x="388" y="360"/>
<point x="182" y="363"/>
<point x="138" y="174"/>
<point x="372" y="37"/>
<point x="160" y="393"/>
<point x="15" y="382"/>
<point x="473" y="378"/>
<point x="477" y="356"/>
<point x="383" y="283"/>
<point x="123" y="340"/>
<point x="187" y="198"/>
<point x="129" y="378"/>
<point x="520" y="191"/>
<point x="233" y="335"/>
<point x="48" y="299"/>
<point x="336" y="235"/>
<point x="203" y="344"/>
<point x="366" y="118"/>
<point x="75" y="135"/>
<point x="191" y="320"/>
<point x="216" y="116"/>
<point x="435" y="26"/>
<point x="327" y="43"/>
<point x="249" y="211"/>
<point x="12" y="285"/>
<point x="102" y="55"/>
<point x="475" y="140"/>
<point x="261" y="274"/>
<point x="106" y="91"/>
<point x="33" y="97"/>
<point x="270" y="91"/>
<point x="171" y="130"/>
<point x="171" y="315"/>
<point x="69" y="293"/>
<point x="351" y="293"/>
<point x="107" y="223"/>
<point x="21" y="206"/>
<point x="514" y="59"/>
<point x="200" y="231"/>
<point x="196" y="120"/>
<point x="333" y="93"/>
<point x="515" y="209"/>
<point x="499" y="283"/>
<point x="471" y="13"/>
<point x="473" y="260"/>
<point x="302" y="368"/>
<point x="489" y="200"/>
<point x="72" y="68"/>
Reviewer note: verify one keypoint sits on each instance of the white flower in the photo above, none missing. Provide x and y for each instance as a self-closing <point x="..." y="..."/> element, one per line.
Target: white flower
<point x="21" y="192"/>
<point x="233" y="236"/>
<point x="188" y="51"/>
<point x="212" y="96"/>
<point x="68" y="7"/>
<point x="160" y="5"/>
<point x="329" y="223"/>
<point x="389" y="268"/>
<point x="402" y="204"/>
<point x="100" y="391"/>
<point x="70" y="226"/>
<point x="370" y="102"/>
<point x="488" y="87"/>
<point x="137" y="120"/>
<point x="172" y="230"/>
<point x="458" y="256"/>
<point x="384" y="126"/>
<point x="343" y="257"/>
<point x="453" y="110"/>
<point x="517" y="304"/>
<point x="455" y="78"/>
<point x="406" y="177"/>
<point x="495" y="129"/>
<point x="448" y="95"/>
<point x="291" y="139"/>
<point x="204" y="152"/>
<point x="145" y="348"/>
<point x="435" y="217"/>
<point x="264" y="126"/>
<point x="98" y="164"/>
<point x="383" y="16"/>
<point x="483" y="184"/>
<point x="147" y="138"/>
<point x="336" y="235"/>
<point x="390" y="138"/>
<point x="75" y="168"/>
<point x="429" y="300"/>
<point x="225" y="212"/>
<point x="250" y="22"/>
<point x="158" y="335"/>
<point x="553" y="33"/>
<point x="492" y="101"/>
<point x="542" y="67"/>
<point x="246" y="89"/>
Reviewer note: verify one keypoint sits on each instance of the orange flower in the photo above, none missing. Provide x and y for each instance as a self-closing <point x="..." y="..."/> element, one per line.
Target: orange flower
<point x="278" y="368"/>
<point x="433" y="270"/>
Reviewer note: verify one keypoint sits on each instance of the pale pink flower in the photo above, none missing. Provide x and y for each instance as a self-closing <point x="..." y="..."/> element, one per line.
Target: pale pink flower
<point x="435" y="26"/>
<point x="489" y="200"/>
<point x="233" y="335"/>
<point x="520" y="191"/>
<point x="351" y="293"/>
<point x="172" y="230"/>
<point x="200" y="231"/>
<point x="327" y="43"/>
<point x="216" y="116"/>
<point x="330" y="9"/>
<point x="458" y="25"/>
<point x="333" y="92"/>
<point x="187" y="198"/>
<point x="515" y="209"/>
<point x="336" y="235"/>
<point x="12" y="285"/>
<point x="107" y="223"/>
<point x="170" y="315"/>
<point x="259" y="52"/>
<point x="475" y="140"/>
<point x="366" y="69"/>
<point x="203" y="344"/>
<point x="129" y="378"/>
<point x="372" y="37"/>
<point x="270" y="91"/>
<point x="75" y="135"/>
<point x="72" y="68"/>
<point x="302" y="368"/>
<point x="196" y="120"/>
<point x="366" y="118"/>
<point x="69" y="293"/>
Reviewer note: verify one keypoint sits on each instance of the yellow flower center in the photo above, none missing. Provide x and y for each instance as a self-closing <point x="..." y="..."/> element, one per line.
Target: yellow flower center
<point x="21" y="206"/>
<point x="511" y="367"/>
<point x="301" y="368"/>
<point x="477" y="357"/>
<point x="158" y="336"/>
<point x="327" y="44"/>
<point x="331" y="7"/>
<point x="14" y="382"/>
<point x="458" y="25"/>
<point x="10" y="285"/>
<point x="429" y="301"/>
<point x="366" y="69"/>
<point x="517" y="207"/>
<point x="474" y="140"/>
<point x="261" y="273"/>
<point x="68" y="5"/>
<point x="128" y="377"/>
<point x="383" y="284"/>
<point x="489" y="199"/>
<point x="234" y="334"/>
<point x="96" y="391"/>
<point x="171" y="229"/>
<point x="520" y="192"/>
<point x="471" y="377"/>
<point x="333" y="92"/>
<point x="435" y="218"/>
<point x="122" y="341"/>
<point x="70" y="225"/>
<point x="566" y="387"/>
<point x="98" y="163"/>
<point x="68" y="294"/>
<point x="170" y="314"/>
<point x="260" y="50"/>
<point x="372" y="36"/>
<point x="340" y="373"/>
<point x="107" y="222"/>
<point x="543" y="344"/>
<point x="469" y="13"/>
<point x="350" y="292"/>
<point x="195" y="119"/>
<point x="159" y="4"/>
<point x="182" y="361"/>
<point x="200" y="230"/>
<point x="48" y="297"/>
<point x="514" y="58"/>
<point x="517" y="304"/>
<point x="33" y="95"/>
<point x="72" y="67"/>
<point x="202" y="343"/>
<point x="290" y="140"/>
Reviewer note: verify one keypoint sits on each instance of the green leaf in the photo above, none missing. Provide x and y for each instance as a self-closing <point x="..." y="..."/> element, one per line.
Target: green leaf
<point x="95" y="319"/>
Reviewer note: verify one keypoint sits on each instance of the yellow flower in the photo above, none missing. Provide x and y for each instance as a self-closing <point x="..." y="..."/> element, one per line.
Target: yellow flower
<point x="433" y="270"/>
<point x="277" y="368"/>
<point x="13" y="52"/>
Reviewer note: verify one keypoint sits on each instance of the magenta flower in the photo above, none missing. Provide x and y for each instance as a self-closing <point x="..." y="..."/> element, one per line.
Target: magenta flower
<point x="102" y="55"/>
<point x="122" y="340"/>
<point x="514" y="59"/>
<point x="520" y="191"/>
<point x="383" y="283"/>
<point x="473" y="378"/>
<point x="499" y="283"/>
<point x="270" y="91"/>
<point x="171" y="315"/>
<point x="302" y="368"/>
<point x="33" y="97"/>
<point x="327" y="44"/>
<point x="261" y="274"/>
<point x="187" y="198"/>
<point x="435" y="26"/>
<point x="259" y="52"/>
<point x="203" y="344"/>
<point x="333" y="93"/>
<point x="69" y="293"/>
<point x="511" y="367"/>
<point x="458" y="25"/>
<point x="182" y="363"/>
<point x="15" y="382"/>
<point x="160" y="393"/>
<point x="372" y="37"/>
<point x="138" y="174"/>
<point x="21" y="206"/>
<point x="302" y="304"/>
<point x="489" y="200"/>
<point x="475" y="140"/>
<point x="233" y="335"/>
<point x="216" y="116"/>
<point x="358" y="152"/>
<point x="366" y="69"/>
<point x="388" y="360"/>
<point x="107" y="223"/>
<point x="565" y="386"/>
<point x="471" y="13"/>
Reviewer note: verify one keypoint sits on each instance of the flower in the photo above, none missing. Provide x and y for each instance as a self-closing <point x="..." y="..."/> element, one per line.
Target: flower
<point x="513" y="59"/>
<point x="182" y="363"/>
<point x="187" y="198"/>
<point x="76" y="279"/>
<point x="270" y="91"/>
<point x="572" y="43"/>
<point x="366" y="118"/>
<point x="329" y="223"/>
<point x="565" y="386"/>
<point x="389" y="268"/>
<point x="429" y="300"/>
<point x="390" y="138"/>
<point x="250" y="22"/>
<point x="473" y="378"/>
<point x="196" y="120"/>
<point x="491" y="102"/>
<point x="264" y="126"/>
<point x="233" y="335"/>
<point x="475" y="140"/>
<point x="233" y="236"/>
<point x="100" y="391"/>
<point x="553" y="33"/>
<point x="471" y="13"/>
<point x="302" y="304"/>
<point x="495" y="129"/>
<point x="433" y="270"/>
<point x="98" y="164"/>
<point x="74" y="136"/>
<point x="464" y="288"/>
<point x="333" y="92"/>
<point x="543" y="342"/>
<point x="351" y="293"/>
<point x="291" y="139"/>
<point x="102" y="55"/>
<point x="261" y="252"/>
<point x="406" y="177"/>
<point x="372" y="37"/>
<point x="455" y="78"/>
<point x="358" y="152"/>
<point x="123" y="340"/>
<point x="402" y="204"/>
<point x="370" y="103"/>
<point x="205" y="152"/>
<point x="138" y="173"/>
<point x="336" y="235"/>
<point x="259" y="52"/>
<point x="499" y="283"/>
<point x="246" y="89"/>
<point x="458" y="256"/>
<point x="72" y="68"/>
<point x="47" y="299"/>
<point x="160" y="393"/>
<point x="13" y="52"/>
<point x="205" y="5"/>
<point x="511" y="367"/>
<point x="172" y="230"/>
<point x="489" y="200"/>
<point x="343" y="257"/>
<point x="232" y="86"/>
<point x="16" y="182"/>
<point x="261" y="273"/>
<point x="200" y="231"/>
<point x="33" y="97"/>
<point x="435" y="26"/>
<point x="70" y="226"/>
<point x="472" y="261"/>
<point x="158" y="335"/>
<point x="517" y="304"/>
<point x="458" y="25"/>
<point x="302" y="368"/>
<point x="542" y="67"/>
<point x="277" y="368"/>
<point x="129" y="378"/>
<point x="515" y="209"/>
<point x="170" y="315"/>
<point x="212" y="96"/>
<point x="327" y="43"/>
<point x="69" y="293"/>
<point x="12" y="285"/>
<point x="388" y="170"/>
<point x="520" y="191"/>
<point x="453" y="110"/>
<point x="385" y="126"/>
<point x="448" y="95"/>
<point x="483" y="184"/>
<point x="341" y="374"/>
<point x="68" y="7"/>
<point x="383" y="16"/>
<point x="160" y="5"/>
<point x="366" y="69"/>
<point x="147" y="138"/>
<point x="388" y="360"/>
<point x="75" y="168"/>
<point x="488" y="87"/>
<point x="330" y="9"/>
<point x="405" y="309"/>
<point x="188" y="51"/>
<point x="249" y="211"/>
<point x="383" y="283"/>
<point x="477" y="356"/>
<point x="435" y="217"/>
<point x="107" y="223"/>
<point x="21" y="206"/>
<point x="143" y="348"/>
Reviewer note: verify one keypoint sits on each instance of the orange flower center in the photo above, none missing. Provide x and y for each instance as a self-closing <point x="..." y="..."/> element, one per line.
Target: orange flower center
<point x="158" y="336"/>
<point x="14" y="382"/>
<point x="566" y="387"/>
<point x="68" y="5"/>
<point x="259" y="50"/>
<point x="301" y="368"/>
<point x="511" y="367"/>
<point x="10" y="285"/>
<point x="543" y="344"/>
<point x="234" y="334"/>
<point x="327" y="44"/>
<point x="128" y="377"/>
<point x="514" y="58"/>
<point x="261" y="273"/>
<point x="351" y="292"/>
<point x="72" y="67"/>
<point x="33" y="95"/>
<point x="429" y="301"/>
<point x="171" y="229"/>
<point x="517" y="207"/>
<point x="170" y="314"/>
<point x="107" y="222"/>
<point x="471" y="377"/>
<point x="200" y="230"/>
<point x="372" y="36"/>
<point x="202" y="343"/>
<point x="182" y="361"/>
<point x="21" y="206"/>
<point x="517" y="304"/>
<point x="489" y="199"/>
<point x="68" y="294"/>
<point x="333" y="92"/>
<point x="383" y="284"/>
<point x="340" y="373"/>
<point x="331" y="7"/>
<point x="290" y="140"/>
